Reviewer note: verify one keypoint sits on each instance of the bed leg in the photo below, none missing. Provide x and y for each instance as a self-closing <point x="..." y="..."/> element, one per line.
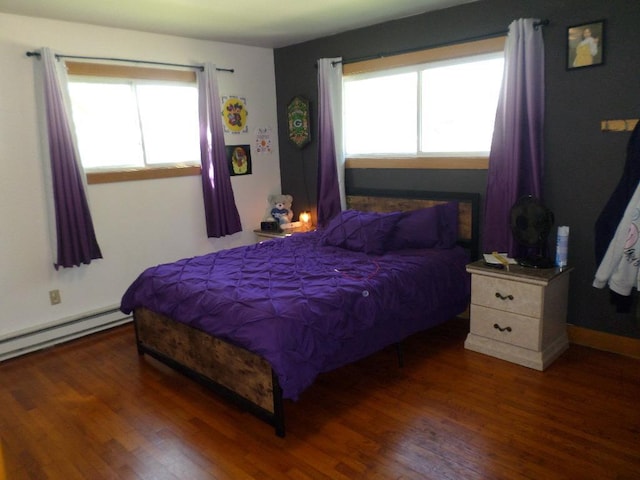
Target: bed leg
<point x="138" y="341"/>
<point x="278" y="407"/>
<point x="400" y="354"/>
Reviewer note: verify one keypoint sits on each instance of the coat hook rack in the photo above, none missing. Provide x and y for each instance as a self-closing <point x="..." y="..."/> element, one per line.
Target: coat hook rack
<point x="626" y="125"/>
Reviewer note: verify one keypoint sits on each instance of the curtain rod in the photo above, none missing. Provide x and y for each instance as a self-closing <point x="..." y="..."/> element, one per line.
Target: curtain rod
<point x="536" y="25"/>
<point x="196" y="67"/>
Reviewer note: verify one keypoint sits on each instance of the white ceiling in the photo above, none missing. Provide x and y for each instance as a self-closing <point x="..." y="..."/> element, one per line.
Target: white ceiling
<point x="265" y="23"/>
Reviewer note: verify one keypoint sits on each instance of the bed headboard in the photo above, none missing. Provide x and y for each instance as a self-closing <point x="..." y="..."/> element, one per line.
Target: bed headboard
<point x="381" y="200"/>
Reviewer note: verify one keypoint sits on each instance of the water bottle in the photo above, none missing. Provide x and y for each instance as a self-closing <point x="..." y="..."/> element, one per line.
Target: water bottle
<point x="562" y="246"/>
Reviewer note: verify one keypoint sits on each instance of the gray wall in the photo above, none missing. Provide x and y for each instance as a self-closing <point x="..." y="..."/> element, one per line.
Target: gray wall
<point x="582" y="164"/>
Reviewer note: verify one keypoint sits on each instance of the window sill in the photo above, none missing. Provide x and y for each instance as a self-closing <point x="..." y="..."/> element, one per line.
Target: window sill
<point x="141" y="174"/>
<point x="442" y="163"/>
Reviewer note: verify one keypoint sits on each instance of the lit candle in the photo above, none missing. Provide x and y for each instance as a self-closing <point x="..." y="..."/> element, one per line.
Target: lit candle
<point x="305" y="218"/>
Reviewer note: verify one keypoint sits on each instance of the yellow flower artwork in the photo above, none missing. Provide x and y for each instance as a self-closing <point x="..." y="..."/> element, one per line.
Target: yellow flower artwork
<point x="234" y="112"/>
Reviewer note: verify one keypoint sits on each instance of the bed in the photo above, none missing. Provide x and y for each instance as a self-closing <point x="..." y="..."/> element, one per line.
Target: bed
<point x="258" y="323"/>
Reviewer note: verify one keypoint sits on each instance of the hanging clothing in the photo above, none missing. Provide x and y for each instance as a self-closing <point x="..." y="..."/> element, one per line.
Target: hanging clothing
<point x="621" y="263"/>
<point x="613" y="211"/>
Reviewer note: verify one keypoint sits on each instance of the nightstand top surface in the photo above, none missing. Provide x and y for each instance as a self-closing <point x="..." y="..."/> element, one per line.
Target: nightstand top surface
<point x="280" y="233"/>
<point x="534" y="275"/>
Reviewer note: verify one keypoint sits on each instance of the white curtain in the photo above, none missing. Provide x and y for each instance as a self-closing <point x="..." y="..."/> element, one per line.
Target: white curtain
<point x="73" y="238"/>
<point x="221" y="213"/>
<point x="517" y="150"/>
<point x="331" y="191"/>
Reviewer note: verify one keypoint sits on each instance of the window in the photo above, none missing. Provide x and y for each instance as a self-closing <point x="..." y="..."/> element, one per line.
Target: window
<point x="380" y="114"/>
<point x="458" y="105"/>
<point x="436" y="105"/>
<point x="131" y="119"/>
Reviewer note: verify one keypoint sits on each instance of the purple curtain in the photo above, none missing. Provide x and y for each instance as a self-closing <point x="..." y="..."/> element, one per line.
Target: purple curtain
<point x="330" y="158"/>
<point x="516" y="158"/>
<point x="221" y="214"/>
<point x="76" y="239"/>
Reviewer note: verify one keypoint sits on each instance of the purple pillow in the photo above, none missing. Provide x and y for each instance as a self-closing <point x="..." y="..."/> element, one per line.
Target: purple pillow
<point x="360" y="231"/>
<point x="432" y="227"/>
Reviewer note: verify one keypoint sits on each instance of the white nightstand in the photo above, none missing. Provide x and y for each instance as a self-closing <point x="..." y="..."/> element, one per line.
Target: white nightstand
<point x="519" y="315"/>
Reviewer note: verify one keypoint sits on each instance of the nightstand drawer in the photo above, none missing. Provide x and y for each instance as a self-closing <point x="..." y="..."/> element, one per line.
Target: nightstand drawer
<point x="507" y="295"/>
<point x="505" y="327"/>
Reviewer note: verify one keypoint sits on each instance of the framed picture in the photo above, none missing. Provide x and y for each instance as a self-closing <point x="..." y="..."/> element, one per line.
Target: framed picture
<point x="234" y="114"/>
<point x="585" y="45"/>
<point x="239" y="159"/>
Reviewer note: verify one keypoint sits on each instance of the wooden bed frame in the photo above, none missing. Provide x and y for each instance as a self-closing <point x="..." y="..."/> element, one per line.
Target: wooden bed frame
<point x="244" y="377"/>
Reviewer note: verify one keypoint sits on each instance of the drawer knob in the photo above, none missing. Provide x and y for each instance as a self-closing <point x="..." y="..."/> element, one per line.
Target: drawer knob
<point x="504" y="297"/>
<point x="498" y="327"/>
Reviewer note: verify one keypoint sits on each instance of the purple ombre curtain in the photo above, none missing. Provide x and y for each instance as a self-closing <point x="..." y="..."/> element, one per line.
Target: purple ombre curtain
<point x="76" y="242"/>
<point x="331" y="193"/>
<point x="516" y="158"/>
<point x="221" y="214"/>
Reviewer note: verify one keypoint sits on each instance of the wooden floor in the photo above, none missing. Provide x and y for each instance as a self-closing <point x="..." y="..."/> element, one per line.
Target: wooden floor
<point x="94" y="409"/>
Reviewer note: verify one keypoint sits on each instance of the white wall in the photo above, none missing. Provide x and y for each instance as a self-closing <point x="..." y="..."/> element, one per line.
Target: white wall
<point x="138" y="224"/>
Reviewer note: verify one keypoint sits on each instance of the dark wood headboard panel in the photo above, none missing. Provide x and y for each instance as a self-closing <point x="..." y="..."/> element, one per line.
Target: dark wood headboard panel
<point x="380" y="200"/>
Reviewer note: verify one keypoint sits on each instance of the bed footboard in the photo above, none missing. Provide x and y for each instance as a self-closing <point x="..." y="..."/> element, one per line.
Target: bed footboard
<point x="242" y="376"/>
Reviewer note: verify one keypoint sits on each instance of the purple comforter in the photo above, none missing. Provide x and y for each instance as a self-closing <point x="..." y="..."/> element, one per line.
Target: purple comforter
<point x="307" y="307"/>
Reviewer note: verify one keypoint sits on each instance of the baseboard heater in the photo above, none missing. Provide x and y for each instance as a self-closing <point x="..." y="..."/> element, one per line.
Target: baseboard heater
<point x="44" y="336"/>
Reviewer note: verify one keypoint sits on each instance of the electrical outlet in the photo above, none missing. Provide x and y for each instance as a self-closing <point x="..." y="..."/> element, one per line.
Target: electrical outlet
<point x="54" y="297"/>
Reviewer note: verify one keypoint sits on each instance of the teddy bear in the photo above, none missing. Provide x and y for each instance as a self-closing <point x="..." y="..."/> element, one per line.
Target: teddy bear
<point x="279" y="209"/>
